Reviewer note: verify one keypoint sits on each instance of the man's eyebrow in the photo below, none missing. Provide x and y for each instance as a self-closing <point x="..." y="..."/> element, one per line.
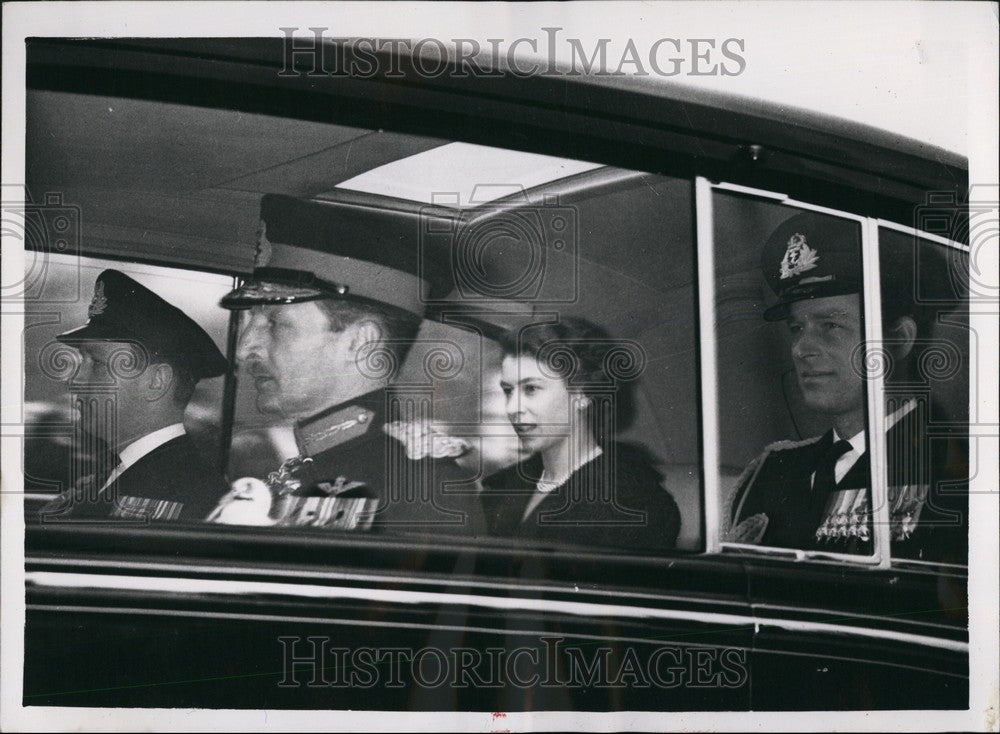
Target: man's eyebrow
<point x="832" y="314"/>
<point x="521" y="381"/>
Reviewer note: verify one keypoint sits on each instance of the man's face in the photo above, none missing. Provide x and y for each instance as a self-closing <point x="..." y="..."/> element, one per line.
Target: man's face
<point x="111" y="385"/>
<point x="295" y="359"/>
<point x="825" y="333"/>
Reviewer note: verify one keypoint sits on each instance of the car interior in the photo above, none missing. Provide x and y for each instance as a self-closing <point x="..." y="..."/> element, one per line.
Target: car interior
<point x="187" y="187"/>
<point x="170" y="192"/>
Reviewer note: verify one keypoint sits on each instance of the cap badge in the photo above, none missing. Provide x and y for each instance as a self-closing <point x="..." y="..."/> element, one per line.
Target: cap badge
<point x="99" y="302"/>
<point x="262" y="251"/>
<point x="799" y="257"/>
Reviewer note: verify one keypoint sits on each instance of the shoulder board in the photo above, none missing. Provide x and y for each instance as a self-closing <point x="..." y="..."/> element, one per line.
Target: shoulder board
<point x="785" y="445"/>
<point x="749" y="475"/>
<point x="325" y="432"/>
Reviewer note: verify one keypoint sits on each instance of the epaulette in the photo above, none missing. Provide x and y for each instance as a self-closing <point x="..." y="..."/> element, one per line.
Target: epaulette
<point x="756" y="463"/>
<point x="785" y="445"/>
<point x="329" y="429"/>
<point x="749" y="474"/>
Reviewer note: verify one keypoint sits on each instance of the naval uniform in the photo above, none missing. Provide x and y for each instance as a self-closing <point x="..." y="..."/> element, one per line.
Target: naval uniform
<point x="352" y="474"/>
<point x="777" y="503"/>
<point x="169" y="481"/>
<point x="161" y="475"/>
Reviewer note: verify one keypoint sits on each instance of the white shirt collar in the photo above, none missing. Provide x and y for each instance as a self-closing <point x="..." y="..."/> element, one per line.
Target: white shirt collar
<point x="142" y="446"/>
<point x="857" y="441"/>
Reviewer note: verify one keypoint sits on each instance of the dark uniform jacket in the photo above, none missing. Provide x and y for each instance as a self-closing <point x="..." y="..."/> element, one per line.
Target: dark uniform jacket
<point x="355" y="475"/>
<point x="774" y="503"/>
<point x="171" y="482"/>
<point x="615" y="500"/>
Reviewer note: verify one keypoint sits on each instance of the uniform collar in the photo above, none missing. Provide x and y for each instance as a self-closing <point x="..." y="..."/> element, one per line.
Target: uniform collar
<point x="140" y="447"/>
<point x="857" y="441"/>
<point x="339" y="423"/>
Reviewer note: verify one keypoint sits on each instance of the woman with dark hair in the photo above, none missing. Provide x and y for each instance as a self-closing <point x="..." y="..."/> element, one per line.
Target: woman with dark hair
<point x="568" y="393"/>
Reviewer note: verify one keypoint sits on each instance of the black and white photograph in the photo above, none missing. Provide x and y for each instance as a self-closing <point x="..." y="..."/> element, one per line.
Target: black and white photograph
<point x="500" y="367"/>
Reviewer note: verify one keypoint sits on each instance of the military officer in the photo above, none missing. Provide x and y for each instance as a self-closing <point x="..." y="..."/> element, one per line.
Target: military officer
<point x="329" y="313"/>
<point x="814" y="494"/>
<point x="141" y="359"/>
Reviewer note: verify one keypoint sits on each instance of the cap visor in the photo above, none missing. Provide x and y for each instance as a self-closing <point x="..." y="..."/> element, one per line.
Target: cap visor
<point x="777" y="312"/>
<point x="89" y="333"/>
<point x="262" y="293"/>
<point x="810" y="292"/>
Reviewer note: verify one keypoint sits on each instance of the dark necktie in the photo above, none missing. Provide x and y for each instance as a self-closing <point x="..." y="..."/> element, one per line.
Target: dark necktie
<point x="825" y="480"/>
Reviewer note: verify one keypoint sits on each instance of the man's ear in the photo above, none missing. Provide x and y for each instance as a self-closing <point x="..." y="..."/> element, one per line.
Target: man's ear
<point x="365" y="335"/>
<point x="161" y="381"/>
<point x="902" y="335"/>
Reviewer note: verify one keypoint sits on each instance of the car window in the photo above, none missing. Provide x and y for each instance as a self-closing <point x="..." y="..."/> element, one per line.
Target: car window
<point x="924" y="290"/>
<point x="803" y="389"/>
<point x="608" y="248"/>
<point x="792" y="406"/>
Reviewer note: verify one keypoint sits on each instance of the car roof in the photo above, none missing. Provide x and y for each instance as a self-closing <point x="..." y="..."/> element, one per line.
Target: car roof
<point x="177" y="169"/>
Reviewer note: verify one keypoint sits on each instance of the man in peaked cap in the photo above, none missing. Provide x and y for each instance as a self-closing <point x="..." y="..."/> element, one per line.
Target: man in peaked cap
<point x="814" y="494"/>
<point x="331" y="309"/>
<point x="141" y="360"/>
